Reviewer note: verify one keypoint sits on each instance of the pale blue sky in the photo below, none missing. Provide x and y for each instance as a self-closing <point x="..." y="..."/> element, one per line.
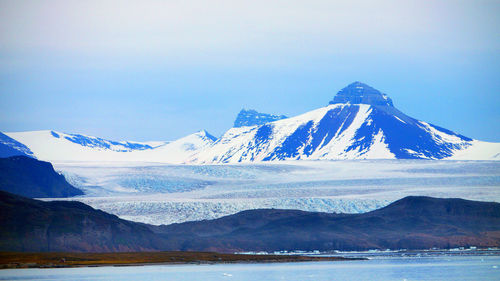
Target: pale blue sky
<point x="159" y="70"/>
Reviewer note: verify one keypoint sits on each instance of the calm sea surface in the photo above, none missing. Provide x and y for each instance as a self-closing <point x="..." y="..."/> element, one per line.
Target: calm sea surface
<point x="392" y="268"/>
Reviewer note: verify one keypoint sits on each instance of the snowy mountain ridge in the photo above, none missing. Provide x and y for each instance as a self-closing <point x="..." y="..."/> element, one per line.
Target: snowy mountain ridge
<point x="55" y="146"/>
<point x="11" y="147"/>
<point x="359" y="123"/>
<point x="99" y="143"/>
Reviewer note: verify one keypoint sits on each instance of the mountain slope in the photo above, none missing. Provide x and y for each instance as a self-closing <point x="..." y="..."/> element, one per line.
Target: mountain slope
<point x="360" y="123"/>
<point x="177" y="151"/>
<point x="35" y="226"/>
<point x="11" y="147"/>
<point x="251" y="118"/>
<point x="32" y="178"/>
<point x="59" y="147"/>
<point x="411" y="223"/>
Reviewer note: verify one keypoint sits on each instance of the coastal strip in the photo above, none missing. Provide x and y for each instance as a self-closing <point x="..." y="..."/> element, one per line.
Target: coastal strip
<point x="56" y="260"/>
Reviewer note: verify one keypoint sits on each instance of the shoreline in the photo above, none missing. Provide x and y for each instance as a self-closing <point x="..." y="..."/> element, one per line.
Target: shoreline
<point x="14" y="260"/>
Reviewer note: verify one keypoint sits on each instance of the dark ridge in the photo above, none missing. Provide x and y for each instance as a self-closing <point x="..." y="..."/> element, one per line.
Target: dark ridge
<point x="410" y="223"/>
<point x="29" y="225"/>
<point x="423" y="206"/>
<point x="33" y="178"/>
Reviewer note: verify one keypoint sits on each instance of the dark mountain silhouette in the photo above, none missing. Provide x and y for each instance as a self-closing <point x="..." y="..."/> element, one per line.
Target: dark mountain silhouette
<point x="30" y="225"/>
<point x="411" y="223"/>
<point x="32" y="178"/>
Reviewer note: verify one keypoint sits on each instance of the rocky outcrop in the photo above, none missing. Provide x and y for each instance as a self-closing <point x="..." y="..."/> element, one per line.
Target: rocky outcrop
<point x="251" y="118"/>
<point x="360" y="93"/>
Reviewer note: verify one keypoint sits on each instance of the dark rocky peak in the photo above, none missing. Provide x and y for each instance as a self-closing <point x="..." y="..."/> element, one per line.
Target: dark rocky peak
<point x="251" y="117"/>
<point x="360" y="93"/>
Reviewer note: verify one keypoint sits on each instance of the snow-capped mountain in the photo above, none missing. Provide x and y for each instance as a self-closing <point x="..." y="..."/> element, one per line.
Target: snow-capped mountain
<point x="360" y="123"/>
<point x="11" y="147"/>
<point x="60" y="147"/>
<point x="251" y="117"/>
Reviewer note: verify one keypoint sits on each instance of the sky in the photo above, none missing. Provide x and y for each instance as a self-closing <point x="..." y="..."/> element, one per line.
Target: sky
<point x="160" y="70"/>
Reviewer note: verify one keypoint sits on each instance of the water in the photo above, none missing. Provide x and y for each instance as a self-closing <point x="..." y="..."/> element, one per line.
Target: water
<point x="388" y="268"/>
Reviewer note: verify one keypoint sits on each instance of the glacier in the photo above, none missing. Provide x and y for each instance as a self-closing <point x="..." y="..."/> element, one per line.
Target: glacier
<point x="356" y="154"/>
<point x="171" y="193"/>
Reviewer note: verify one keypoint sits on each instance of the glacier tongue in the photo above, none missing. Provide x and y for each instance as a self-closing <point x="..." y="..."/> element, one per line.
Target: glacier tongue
<point x="162" y="194"/>
<point x="175" y="211"/>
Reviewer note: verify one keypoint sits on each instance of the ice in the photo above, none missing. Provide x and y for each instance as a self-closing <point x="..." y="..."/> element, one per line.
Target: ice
<point x="165" y="193"/>
<point x="161" y="210"/>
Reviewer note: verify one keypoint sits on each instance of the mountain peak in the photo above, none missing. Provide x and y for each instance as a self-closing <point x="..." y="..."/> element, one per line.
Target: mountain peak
<point x="204" y="133"/>
<point x="361" y="93"/>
